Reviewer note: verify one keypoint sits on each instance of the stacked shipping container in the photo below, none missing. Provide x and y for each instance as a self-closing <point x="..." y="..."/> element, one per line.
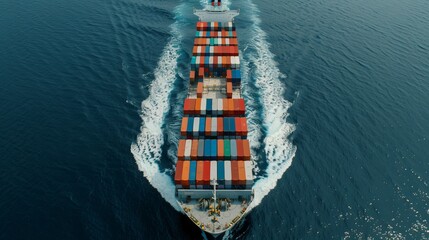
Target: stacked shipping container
<point x="213" y="131"/>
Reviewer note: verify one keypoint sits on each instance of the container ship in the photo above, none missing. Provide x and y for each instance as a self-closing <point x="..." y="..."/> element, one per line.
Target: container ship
<point x="213" y="176"/>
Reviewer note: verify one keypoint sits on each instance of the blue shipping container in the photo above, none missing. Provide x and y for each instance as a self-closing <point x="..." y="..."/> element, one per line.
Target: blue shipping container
<point x="202" y="127"/>
<point x="209" y="106"/>
<point x="190" y="126"/>
<point x="221" y="172"/>
<point x="207" y="151"/>
<point x="232" y="125"/>
<point x="226" y="129"/>
<point x="213" y="149"/>
<point x="192" y="172"/>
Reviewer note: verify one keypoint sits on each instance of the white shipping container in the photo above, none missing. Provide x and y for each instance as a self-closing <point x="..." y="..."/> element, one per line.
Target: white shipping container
<point x="249" y="173"/>
<point x="211" y="60"/>
<point x="214" y="107"/>
<point x="203" y="106"/>
<point x="213" y="170"/>
<point x="219" y="61"/>
<point x="227" y="41"/>
<point x="207" y="41"/>
<point x="188" y="146"/>
<point x="211" y="50"/>
<point x="220" y="107"/>
<point x="197" y="61"/>
<point x="198" y="49"/>
<point x="228" y="175"/>
<point x="196" y="127"/>
<point x="214" y="125"/>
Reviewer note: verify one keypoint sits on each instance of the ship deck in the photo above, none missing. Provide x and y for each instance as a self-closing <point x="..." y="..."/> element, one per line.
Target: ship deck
<point x="214" y="87"/>
<point x="225" y="220"/>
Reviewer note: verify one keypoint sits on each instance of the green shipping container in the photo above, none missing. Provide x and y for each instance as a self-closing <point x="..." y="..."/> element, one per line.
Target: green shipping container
<point x="227" y="149"/>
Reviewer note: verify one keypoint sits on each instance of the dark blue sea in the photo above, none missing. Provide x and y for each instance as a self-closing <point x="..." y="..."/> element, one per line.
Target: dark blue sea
<point x="337" y="97"/>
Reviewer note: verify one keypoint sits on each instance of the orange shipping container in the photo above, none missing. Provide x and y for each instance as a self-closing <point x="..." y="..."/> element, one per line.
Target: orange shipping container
<point x="246" y="149"/>
<point x="220" y="154"/>
<point x="181" y="149"/>
<point x="185" y="174"/>
<point x="208" y="131"/>
<point x="229" y="75"/>
<point x="225" y="107"/>
<point x="229" y="92"/>
<point x="220" y="126"/>
<point x="184" y="126"/>
<point x="197" y="109"/>
<point x="200" y="90"/>
<point x="234" y="172"/>
<point x="199" y="174"/>
<point x="194" y="149"/>
<point x="240" y="152"/>
<point x="178" y="174"/>
<point x="231" y="107"/>
<point x="241" y="173"/>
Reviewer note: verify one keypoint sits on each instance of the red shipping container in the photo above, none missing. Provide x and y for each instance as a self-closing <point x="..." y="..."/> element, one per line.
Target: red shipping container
<point x="240" y="153"/>
<point x="242" y="106"/>
<point x="206" y="173"/>
<point x="178" y="174"/>
<point x="246" y="149"/>
<point x="189" y="106"/>
<point x="200" y="172"/>
<point x="194" y="149"/>
<point x="234" y="172"/>
<point x="184" y="126"/>
<point x="202" y="61"/>
<point x="201" y="72"/>
<point x="241" y="173"/>
<point x="237" y="108"/>
<point x="181" y="150"/>
<point x="243" y="126"/>
<point x="220" y="126"/>
<point x="220" y="153"/>
<point x="185" y="174"/>
<point x="238" y="129"/>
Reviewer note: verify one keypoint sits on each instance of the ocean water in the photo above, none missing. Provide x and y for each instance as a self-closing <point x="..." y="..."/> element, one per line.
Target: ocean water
<point x="337" y="94"/>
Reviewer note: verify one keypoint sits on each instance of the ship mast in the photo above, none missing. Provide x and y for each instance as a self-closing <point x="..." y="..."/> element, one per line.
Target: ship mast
<point x="214" y="220"/>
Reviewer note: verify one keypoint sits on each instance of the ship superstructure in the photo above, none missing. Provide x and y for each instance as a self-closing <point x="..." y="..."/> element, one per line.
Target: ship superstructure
<point x="214" y="175"/>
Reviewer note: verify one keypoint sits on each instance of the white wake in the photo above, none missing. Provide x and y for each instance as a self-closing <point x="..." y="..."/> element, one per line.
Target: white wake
<point x="278" y="149"/>
<point x="147" y="149"/>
